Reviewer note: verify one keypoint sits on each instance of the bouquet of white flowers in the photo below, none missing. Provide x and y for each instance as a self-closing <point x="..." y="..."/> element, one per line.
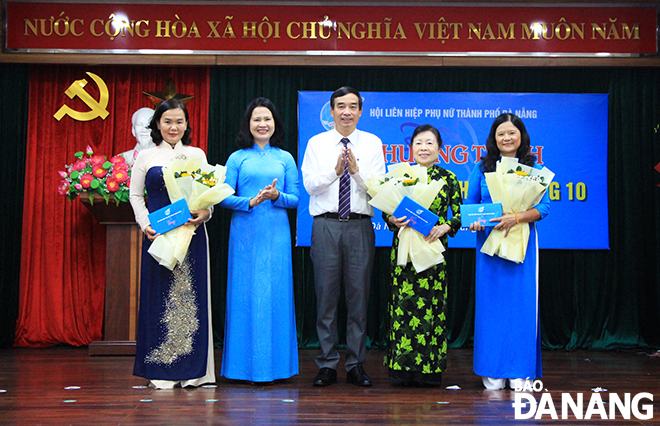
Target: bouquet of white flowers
<point x="518" y="188"/>
<point x="202" y="185"/>
<point x="386" y="193"/>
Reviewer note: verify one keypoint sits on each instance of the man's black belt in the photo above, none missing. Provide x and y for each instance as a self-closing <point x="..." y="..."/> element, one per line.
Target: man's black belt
<point x="352" y="216"/>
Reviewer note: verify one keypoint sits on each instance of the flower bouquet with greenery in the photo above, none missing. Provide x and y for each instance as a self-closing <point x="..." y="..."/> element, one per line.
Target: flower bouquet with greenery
<point x="93" y="174"/>
<point x="202" y="186"/>
<point x="386" y="193"/>
<point x="518" y="188"/>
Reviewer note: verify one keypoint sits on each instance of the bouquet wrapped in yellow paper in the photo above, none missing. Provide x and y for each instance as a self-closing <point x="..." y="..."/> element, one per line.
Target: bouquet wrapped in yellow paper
<point x="386" y="193"/>
<point x="202" y="186"/>
<point x="518" y="188"/>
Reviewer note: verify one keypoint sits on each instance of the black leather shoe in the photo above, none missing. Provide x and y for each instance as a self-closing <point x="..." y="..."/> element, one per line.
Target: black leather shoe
<point x="326" y="377"/>
<point x="358" y="377"/>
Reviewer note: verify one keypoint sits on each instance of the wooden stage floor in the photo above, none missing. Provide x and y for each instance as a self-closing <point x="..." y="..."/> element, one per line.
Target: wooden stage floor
<point x="65" y="386"/>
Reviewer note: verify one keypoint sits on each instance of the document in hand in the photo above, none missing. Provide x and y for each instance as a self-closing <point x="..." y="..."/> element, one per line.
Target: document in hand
<point x="170" y="217"/>
<point x="481" y="213"/>
<point x="421" y="220"/>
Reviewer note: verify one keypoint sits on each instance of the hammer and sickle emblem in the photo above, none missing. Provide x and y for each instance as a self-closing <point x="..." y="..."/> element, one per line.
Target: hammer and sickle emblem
<point x="97" y="109"/>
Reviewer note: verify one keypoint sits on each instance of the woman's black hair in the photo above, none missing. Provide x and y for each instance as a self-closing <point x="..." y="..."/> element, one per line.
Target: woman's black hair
<point x="160" y="109"/>
<point x="427" y="128"/>
<point x="245" y="138"/>
<point x="493" y="155"/>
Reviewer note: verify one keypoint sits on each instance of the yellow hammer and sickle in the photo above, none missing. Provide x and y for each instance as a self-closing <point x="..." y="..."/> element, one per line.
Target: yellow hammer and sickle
<point x="97" y="108"/>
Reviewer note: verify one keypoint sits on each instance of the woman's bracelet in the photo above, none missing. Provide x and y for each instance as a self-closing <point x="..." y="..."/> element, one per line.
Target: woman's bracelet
<point x="517" y="221"/>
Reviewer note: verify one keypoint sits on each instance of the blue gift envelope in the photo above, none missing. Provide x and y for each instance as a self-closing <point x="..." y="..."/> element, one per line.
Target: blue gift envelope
<point x="481" y="213"/>
<point x="170" y="217"/>
<point x="421" y="220"/>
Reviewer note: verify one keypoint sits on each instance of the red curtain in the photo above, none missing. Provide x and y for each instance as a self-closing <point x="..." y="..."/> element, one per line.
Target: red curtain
<point x="63" y="246"/>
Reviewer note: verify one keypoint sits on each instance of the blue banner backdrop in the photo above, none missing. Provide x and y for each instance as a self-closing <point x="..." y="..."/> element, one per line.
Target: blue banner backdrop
<point x="568" y="134"/>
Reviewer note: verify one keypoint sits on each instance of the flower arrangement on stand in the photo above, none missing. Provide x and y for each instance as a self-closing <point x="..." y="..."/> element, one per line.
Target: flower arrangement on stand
<point x="93" y="174"/>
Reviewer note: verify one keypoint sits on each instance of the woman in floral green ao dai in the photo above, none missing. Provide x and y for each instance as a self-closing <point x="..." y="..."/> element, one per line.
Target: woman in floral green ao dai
<point x="417" y="338"/>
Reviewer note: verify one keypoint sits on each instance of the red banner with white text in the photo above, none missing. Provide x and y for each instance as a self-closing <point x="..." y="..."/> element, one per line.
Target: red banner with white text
<point x="316" y="30"/>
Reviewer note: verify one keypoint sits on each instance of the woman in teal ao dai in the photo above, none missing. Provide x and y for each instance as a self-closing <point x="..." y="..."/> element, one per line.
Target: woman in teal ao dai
<point x="507" y="335"/>
<point x="260" y="328"/>
<point x="417" y="338"/>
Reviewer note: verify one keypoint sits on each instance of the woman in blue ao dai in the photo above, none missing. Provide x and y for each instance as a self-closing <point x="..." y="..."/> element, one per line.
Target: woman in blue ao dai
<point x="260" y="329"/>
<point x="507" y="335"/>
